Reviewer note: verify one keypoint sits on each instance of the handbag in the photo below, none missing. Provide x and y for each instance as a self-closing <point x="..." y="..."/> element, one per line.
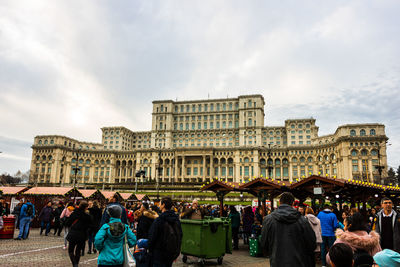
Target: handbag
<point x="129" y="260"/>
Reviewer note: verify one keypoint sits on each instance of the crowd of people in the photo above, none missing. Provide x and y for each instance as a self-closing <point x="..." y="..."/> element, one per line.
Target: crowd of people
<point x="289" y="235"/>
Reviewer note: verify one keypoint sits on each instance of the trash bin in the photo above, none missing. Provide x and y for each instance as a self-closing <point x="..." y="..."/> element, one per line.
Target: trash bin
<point x="8" y="230"/>
<point x="210" y="238"/>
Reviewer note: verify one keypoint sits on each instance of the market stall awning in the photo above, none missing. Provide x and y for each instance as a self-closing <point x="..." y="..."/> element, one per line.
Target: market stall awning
<point x="109" y="194"/>
<point x="87" y="193"/>
<point x="142" y="197"/>
<point x="218" y="186"/>
<point x="57" y="191"/>
<point x="128" y="196"/>
<point x="12" y="190"/>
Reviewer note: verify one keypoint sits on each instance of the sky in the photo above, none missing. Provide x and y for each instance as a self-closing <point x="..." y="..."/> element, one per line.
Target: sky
<point x="72" y="67"/>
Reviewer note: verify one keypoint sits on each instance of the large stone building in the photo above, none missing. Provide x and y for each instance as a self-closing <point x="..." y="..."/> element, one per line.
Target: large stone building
<point x="195" y="141"/>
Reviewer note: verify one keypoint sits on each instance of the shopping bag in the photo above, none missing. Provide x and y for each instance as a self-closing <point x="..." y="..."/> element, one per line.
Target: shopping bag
<point x="129" y="260"/>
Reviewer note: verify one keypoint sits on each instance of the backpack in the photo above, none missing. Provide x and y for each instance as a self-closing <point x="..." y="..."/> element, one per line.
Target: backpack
<point x="171" y="241"/>
<point x="29" y="210"/>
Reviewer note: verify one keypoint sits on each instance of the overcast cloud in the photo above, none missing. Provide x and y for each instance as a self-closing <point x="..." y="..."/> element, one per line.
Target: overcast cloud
<point x="72" y="67"/>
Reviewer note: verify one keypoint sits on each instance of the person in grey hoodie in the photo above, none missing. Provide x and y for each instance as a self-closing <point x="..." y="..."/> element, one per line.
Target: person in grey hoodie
<point x="287" y="237"/>
<point x="316" y="226"/>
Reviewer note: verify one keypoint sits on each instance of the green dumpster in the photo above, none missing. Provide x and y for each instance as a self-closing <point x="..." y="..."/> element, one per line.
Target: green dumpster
<point x="210" y="238"/>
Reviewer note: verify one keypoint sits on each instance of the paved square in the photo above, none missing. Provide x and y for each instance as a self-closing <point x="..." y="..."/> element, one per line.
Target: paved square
<point x="46" y="251"/>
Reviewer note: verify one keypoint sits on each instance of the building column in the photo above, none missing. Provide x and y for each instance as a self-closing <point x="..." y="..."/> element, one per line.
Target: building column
<point x="183" y="168"/>
<point x="212" y="167"/>
<point x="176" y="168"/>
<point x="204" y="168"/>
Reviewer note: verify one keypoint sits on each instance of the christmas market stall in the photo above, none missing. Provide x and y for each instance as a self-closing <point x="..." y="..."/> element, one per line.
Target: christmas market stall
<point x="12" y="195"/>
<point x="110" y="194"/>
<point x="265" y="188"/>
<point x="220" y="189"/>
<point x="39" y="196"/>
<point x="93" y="194"/>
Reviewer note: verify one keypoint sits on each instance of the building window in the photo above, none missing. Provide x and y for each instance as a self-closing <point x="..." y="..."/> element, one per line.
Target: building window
<point x="372" y="132"/>
<point x="352" y="133"/>
<point x="354" y="153"/>
<point x="362" y="132"/>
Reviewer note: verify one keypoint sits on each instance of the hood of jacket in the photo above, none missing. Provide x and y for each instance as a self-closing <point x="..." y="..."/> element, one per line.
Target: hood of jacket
<point x="312" y="219"/>
<point x="169" y="216"/>
<point x="150" y="214"/>
<point x="359" y="239"/>
<point x="113" y="231"/>
<point x="286" y="214"/>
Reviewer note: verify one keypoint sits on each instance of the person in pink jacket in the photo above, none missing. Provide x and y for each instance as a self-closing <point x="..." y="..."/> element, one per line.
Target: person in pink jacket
<point x="356" y="236"/>
<point x="64" y="215"/>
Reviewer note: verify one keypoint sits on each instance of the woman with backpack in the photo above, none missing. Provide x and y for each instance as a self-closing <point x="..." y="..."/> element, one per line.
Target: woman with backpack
<point x="356" y="236"/>
<point x="79" y="222"/>
<point x="110" y="239"/>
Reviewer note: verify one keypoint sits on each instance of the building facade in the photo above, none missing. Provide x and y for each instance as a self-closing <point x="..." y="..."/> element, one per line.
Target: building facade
<point x="199" y="140"/>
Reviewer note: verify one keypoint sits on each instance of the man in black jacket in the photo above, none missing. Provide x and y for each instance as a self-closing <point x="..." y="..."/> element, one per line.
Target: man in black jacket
<point x="164" y="247"/>
<point x="287" y="237"/>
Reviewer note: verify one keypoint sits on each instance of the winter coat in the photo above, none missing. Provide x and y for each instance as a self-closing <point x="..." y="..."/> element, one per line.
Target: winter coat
<point x="17" y="210"/>
<point x="57" y="213"/>
<point x="329" y="222"/>
<point x="396" y="228"/>
<point x="359" y="240"/>
<point x="24" y="209"/>
<point x="67" y="212"/>
<point x="235" y="219"/>
<point x="190" y="213"/>
<point x="46" y="214"/>
<point x="110" y="243"/>
<point x="248" y="220"/>
<point x="96" y="218"/>
<point x="144" y="223"/>
<point x="287" y="238"/>
<point x="106" y="217"/>
<point x="316" y="226"/>
<point x="79" y="222"/>
<point x="156" y="235"/>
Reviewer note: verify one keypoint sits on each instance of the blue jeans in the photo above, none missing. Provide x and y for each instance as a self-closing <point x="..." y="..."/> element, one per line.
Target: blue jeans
<point x="24" y="227"/>
<point x="45" y="224"/>
<point x="327" y="243"/>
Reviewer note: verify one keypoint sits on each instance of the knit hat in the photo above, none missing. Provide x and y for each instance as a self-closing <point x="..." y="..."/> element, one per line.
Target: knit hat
<point x="387" y="258"/>
<point x="114" y="211"/>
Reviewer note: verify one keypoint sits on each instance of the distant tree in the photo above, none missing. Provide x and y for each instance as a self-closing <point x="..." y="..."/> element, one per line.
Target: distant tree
<point x="7" y="179"/>
<point x="391" y="176"/>
<point x="398" y="175"/>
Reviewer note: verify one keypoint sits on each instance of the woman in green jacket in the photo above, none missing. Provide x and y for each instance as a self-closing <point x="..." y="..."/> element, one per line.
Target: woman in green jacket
<point x="235" y="223"/>
<point x="109" y="240"/>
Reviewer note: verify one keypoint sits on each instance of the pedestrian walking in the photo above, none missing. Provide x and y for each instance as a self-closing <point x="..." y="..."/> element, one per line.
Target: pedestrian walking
<point x="106" y="218"/>
<point x="63" y="218"/>
<point x="111" y="237"/>
<point x="95" y="212"/>
<point x="26" y="217"/>
<point x="57" y="221"/>
<point x="16" y="212"/>
<point x="387" y="225"/>
<point x="316" y="226"/>
<point x="329" y="223"/>
<point x="79" y="223"/>
<point x="248" y="221"/>
<point x="45" y="218"/>
<point x="287" y="237"/>
<point x="235" y="223"/>
<point x="341" y="255"/>
<point x="165" y="236"/>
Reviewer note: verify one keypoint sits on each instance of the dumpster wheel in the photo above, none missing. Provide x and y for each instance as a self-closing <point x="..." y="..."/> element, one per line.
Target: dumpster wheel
<point x="219" y="260"/>
<point x="184" y="258"/>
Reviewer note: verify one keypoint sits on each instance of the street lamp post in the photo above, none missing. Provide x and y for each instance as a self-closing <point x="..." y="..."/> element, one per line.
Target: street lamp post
<point x="76" y="168"/>
<point x="158" y="174"/>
